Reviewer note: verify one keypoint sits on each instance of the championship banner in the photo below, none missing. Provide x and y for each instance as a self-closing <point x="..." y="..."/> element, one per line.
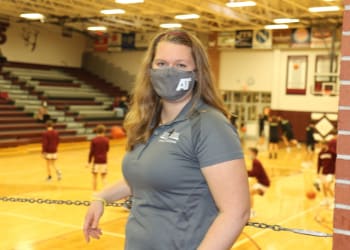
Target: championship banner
<point x="142" y="40"/>
<point x="281" y="38"/>
<point x="321" y="37"/>
<point x="244" y="39"/>
<point x="301" y="38"/>
<point x="262" y="39"/>
<point x="101" y="43"/>
<point x="226" y="40"/>
<point x="128" y="40"/>
<point x="115" y="42"/>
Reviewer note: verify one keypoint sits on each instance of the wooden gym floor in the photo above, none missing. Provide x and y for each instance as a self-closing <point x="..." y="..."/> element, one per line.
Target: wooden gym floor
<point x="27" y="226"/>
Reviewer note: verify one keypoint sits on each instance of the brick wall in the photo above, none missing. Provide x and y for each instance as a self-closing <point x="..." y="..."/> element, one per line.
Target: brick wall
<point x="341" y="239"/>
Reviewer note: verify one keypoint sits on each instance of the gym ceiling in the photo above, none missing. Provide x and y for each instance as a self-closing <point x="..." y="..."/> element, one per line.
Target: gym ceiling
<point x="147" y="16"/>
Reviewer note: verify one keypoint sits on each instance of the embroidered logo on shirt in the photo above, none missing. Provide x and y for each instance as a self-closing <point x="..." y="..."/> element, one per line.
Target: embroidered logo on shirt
<point x="184" y="84"/>
<point x="170" y="136"/>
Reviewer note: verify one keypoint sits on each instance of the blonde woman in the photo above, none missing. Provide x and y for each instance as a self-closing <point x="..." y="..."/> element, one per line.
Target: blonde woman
<point x="184" y="166"/>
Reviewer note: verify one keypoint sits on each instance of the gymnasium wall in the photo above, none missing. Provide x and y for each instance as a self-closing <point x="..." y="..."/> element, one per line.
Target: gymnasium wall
<point x="43" y="44"/>
<point x="266" y="71"/>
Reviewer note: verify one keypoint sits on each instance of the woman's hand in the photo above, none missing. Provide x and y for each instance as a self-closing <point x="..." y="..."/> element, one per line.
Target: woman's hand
<point x="92" y="218"/>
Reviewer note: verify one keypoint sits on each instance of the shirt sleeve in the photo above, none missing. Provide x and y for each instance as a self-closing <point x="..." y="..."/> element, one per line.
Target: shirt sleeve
<point x="215" y="139"/>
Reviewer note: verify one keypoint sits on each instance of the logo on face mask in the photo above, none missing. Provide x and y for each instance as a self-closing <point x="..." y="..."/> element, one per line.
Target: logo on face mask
<point x="184" y="84"/>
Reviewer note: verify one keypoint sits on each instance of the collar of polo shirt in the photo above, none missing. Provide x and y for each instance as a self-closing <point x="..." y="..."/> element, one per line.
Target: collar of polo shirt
<point x="190" y="108"/>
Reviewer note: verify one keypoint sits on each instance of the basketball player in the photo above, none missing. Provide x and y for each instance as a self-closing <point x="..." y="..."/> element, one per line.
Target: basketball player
<point x="50" y="141"/>
<point x="273" y="137"/>
<point x="258" y="172"/>
<point x="326" y="171"/>
<point x="287" y="134"/>
<point x="99" y="147"/>
<point x="310" y="144"/>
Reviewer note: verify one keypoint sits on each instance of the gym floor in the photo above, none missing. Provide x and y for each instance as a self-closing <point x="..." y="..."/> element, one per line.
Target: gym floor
<point x="26" y="226"/>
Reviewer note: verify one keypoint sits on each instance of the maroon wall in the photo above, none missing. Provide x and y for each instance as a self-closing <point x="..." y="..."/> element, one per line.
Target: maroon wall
<point x="298" y="119"/>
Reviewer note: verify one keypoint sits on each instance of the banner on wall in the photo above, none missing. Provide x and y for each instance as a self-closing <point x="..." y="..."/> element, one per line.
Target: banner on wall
<point x="128" y="40"/>
<point x="281" y="38"/>
<point x="115" y="42"/>
<point x="244" y="39"/>
<point x="142" y="40"/>
<point x="101" y="43"/>
<point x="301" y="38"/>
<point x="226" y="40"/>
<point x="262" y="39"/>
<point x="321" y="37"/>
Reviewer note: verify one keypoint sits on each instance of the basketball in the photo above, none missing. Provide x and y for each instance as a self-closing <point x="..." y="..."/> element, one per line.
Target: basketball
<point x="310" y="194"/>
<point x="117" y="132"/>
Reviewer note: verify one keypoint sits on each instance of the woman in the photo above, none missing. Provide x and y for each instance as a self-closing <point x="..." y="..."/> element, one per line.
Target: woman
<point x="184" y="166"/>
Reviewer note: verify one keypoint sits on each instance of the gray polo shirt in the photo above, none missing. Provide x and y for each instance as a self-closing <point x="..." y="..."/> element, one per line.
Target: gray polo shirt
<point x="172" y="205"/>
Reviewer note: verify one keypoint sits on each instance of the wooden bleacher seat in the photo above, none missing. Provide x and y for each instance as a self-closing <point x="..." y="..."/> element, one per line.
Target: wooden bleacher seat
<point x="11" y="120"/>
<point x="28" y="126"/>
<point x="96" y="114"/>
<point x="78" y="108"/>
<point x="30" y="133"/>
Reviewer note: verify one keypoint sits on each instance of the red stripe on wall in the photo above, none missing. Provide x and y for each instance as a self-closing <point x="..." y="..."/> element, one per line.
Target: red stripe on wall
<point x="342" y="192"/>
<point x="345" y="68"/>
<point x="346" y="45"/>
<point x="343" y="169"/>
<point x="343" y="142"/>
<point x="342" y="219"/>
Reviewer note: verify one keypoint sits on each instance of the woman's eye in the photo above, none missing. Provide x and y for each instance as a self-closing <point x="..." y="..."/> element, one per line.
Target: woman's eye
<point x="181" y="66"/>
<point x="160" y="64"/>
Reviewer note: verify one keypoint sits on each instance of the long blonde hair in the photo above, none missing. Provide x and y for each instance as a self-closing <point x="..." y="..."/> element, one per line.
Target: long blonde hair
<point x="146" y="104"/>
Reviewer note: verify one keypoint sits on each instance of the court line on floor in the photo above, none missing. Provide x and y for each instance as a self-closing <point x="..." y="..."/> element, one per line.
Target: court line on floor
<point x="261" y="232"/>
<point x="53" y="222"/>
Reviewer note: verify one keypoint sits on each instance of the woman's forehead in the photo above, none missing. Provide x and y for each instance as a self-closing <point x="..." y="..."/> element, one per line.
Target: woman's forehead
<point x="172" y="51"/>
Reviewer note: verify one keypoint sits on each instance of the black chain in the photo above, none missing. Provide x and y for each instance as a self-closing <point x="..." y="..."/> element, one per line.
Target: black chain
<point x="293" y="230"/>
<point x="56" y="202"/>
<point x="127" y="203"/>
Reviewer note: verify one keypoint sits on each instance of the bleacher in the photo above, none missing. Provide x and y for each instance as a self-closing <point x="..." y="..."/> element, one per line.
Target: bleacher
<point x="73" y="99"/>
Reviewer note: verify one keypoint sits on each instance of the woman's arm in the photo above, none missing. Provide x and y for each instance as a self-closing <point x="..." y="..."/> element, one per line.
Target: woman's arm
<point x="115" y="192"/>
<point x="228" y="183"/>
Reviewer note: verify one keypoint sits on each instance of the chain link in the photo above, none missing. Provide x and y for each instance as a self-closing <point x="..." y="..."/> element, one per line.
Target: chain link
<point x="127" y="203"/>
<point x="293" y="230"/>
<point x="56" y="202"/>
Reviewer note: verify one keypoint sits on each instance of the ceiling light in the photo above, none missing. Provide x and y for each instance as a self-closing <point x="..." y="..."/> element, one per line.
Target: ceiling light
<point x="187" y="16"/>
<point x="285" y="20"/>
<point x="170" y="25"/>
<point x="112" y="11"/>
<point x="324" y="8"/>
<point x="32" y="16"/>
<point x="276" y="26"/>
<point x="129" y="1"/>
<point x="232" y="4"/>
<point x="97" y="28"/>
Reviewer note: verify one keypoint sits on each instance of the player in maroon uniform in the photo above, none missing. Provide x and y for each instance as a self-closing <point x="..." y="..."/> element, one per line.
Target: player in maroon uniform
<point x="98" y="156"/>
<point x="258" y="172"/>
<point x="50" y="141"/>
<point x="326" y="170"/>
